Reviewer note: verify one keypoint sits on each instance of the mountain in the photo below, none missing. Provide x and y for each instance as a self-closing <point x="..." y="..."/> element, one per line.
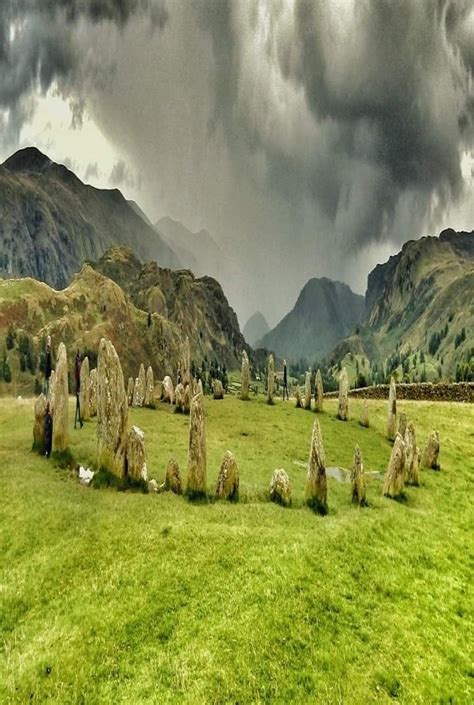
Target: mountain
<point x="50" y="221"/>
<point x="324" y="313"/>
<point x="197" y="251"/>
<point x="255" y="328"/>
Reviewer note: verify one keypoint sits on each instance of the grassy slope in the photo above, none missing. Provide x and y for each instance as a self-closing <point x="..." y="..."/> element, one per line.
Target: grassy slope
<point x="141" y="598"/>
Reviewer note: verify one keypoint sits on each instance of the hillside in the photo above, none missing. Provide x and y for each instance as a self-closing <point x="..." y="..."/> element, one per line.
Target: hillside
<point x="255" y="328"/>
<point x="324" y="313"/>
<point x="50" y="222"/>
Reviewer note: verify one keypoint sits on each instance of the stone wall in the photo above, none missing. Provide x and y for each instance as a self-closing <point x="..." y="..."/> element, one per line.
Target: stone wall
<point x="459" y="391"/>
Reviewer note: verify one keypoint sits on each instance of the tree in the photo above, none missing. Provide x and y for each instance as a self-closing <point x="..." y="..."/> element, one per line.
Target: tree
<point x="7" y="375"/>
<point x="10" y="339"/>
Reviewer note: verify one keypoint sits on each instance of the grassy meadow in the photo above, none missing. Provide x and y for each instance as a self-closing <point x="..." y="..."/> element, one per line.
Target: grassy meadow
<point x="120" y="597"/>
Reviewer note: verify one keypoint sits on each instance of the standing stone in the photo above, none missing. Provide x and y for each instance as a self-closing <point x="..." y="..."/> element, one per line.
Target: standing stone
<point x="270" y="379"/>
<point x="343" y="406"/>
<point x="149" y="388"/>
<point x="395" y="476"/>
<point x="135" y="455"/>
<point x="130" y="390"/>
<point x="185" y="362"/>
<point x="218" y="389"/>
<point x="61" y="398"/>
<point x="364" y="414"/>
<point x="38" y="427"/>
<point x="307" y="391"/>
<point x="179" y="397"/>
<point x="199" y="387"/>
<point x="112" y="411"/>
<point x="195" y="387"/>
<point x="318" y="392"/>
<point x="431" y="452"/>
<point x="228" y="479"/>
<point x="358" y="479"/>
<point x="197" y="471"/>
<point x="187" y="400"/>
<point x="93" y="392"/>
<point x="298" y="400"/>
<point x="392" y="411"/>
<point x="173" y="477"/>
<point x="280" y="490"/>
<point x="167" y="391"/>
<point x="245" y="377"/>
<point x="411" y="456"/>
<point x="84" y="391"/>
<point x="52" y="382"/>
<point x="402" y="425"/>
<point x="140" y="388"/>
<point x="316" y="481"/>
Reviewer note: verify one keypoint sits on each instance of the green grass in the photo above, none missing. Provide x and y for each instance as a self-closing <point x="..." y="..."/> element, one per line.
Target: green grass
<point x="123" y="597"/>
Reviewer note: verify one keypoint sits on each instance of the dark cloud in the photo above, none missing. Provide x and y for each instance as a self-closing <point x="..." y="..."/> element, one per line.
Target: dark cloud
<point x="120" y="175"/>
<point x="91" y="172"/>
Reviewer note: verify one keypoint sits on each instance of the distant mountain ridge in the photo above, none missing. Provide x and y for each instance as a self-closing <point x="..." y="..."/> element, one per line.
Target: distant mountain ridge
<point x="255" y="328"/>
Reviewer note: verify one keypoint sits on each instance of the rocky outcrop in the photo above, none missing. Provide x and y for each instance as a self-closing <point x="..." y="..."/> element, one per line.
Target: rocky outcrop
<point x="245" y="377"/>
<point x="270" y="379"/>
<point x="280" y="489"/>
<point x="358" y="479"/>
<point x="135" y="455"/>
<point x="343" y="406"/>
<point x="392" y="411"/>
<point x="430" y="457"/>
<point x="228" y="479"/>
<point x="197" y="457"/>
<point x="318" y="392"/>
<point x="112" y="411"/>
<point x="394" y="481"/>
<point x="316" y="481"/>
<point x="307" y="391"/>
<point x="84" y="394"/>
<point x="61" y="398"/>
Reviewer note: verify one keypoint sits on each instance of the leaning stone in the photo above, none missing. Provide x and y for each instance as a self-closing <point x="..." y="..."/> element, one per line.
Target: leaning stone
<point x="218" y="389"/>
<point x="358" y="479"/>
<point x="61" y="399"/>
<point x="149" y="388"/>
<point x="307" y="391"/>
<point x="298" y="400"/>
<point x="364" y="414"/>
<point x="411" y="456"/>
<point x="179" y="397"/>
<point x="395" y="476"/>
<point x="197" y="461"/>
<point x="431" y="452"/>
<point x="93" y="392"/>
<point x="84" y="390"/>
<point x="270" y="379"/>
<point x="38" y="427"/>
<point x="392" y="411"/>
<point x="167" y="393"/>
<point x="228" y="479"/>
<point x="130" y="390"/>
<point x="112" y="411"/>
<point x="135" y="455"/>
<point x="245" y="377"/>
<point x="140" y="388"/>
<point x="316" y="481"/>
<point x="318" y="392"/>
<point x="402" y="425"/>
<point x="343" y="405"/>
<point x="173" y="477"/>
<point x="280" y="490"/>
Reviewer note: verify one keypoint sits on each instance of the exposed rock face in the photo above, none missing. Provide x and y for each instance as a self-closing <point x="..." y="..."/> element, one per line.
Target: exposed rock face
<point x="186" y="362"/>
<point x="343" y="406"/>
<point x="149" y="388"/>
<point x="140" y="388"/>
<point x="395" y="476"/>
<point x="316" y="481"/>
<point x="130" y="390"/>
<point x="364" y="414"/>
<point x="135" y="464"/>
<point x="84" y="398"/>
<point x="245" y="378"/>
<point x="307" y="391"/>
<point x="167" y="390"/>
<point x="173" y="477"/>
<point x="392" y="411"/>
<point x="197" y="459"/>
<point x="318" y="392"/>
<point x="402" y="425"/>
<point x="228" y="479"/>
<point x="179" y="397"/>
<point x="280" y="490"/>
<point x="60" y="409"/>
<point x="411" y="456"/>
<point x="298" y="401"/>
<point x="112" y="410"/>
<point x="218" y="389"/>
<point x="270" y="379"/>
<point x="38" y="427"/>
<point x="93" y="392"/>
<point x="358" y="479"/>
<point x="431" y="453"/>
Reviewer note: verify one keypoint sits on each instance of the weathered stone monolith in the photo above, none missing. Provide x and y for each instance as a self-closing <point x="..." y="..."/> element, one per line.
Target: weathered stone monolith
<point x="112" y="411"/>
<point x="149" y="388"/>
<point x="61" y="398"/>
<point x="343" y="405"/>
<point x="197" y="462"/>
<point x="411" y="456"/>
<point x="179" y="397"/>
<point x="298" y="400"/>
<point x="364" y="414"/>
<point x="140" y="388"/>
<point x="270" y="379"/>
<point x="185" y="362"/>
<point x="307" y="391"/>
<point x="228" y="479"/>
<point x="135" y="455"/>
<point x="130" y="391"/>
<point x="392" y="411"/>
<point x="93" y="392"/>
<point x="187" y="399"/>
<point x="395" y="476"/>
<point x="52" y="382"/>
<point x="167" y="390"/>
<point x="199" y="387"/>
<point x="358" y="479"/>
<point x="84" y="390"/>
<point x="280" y="489"/>
<point x="38" y="427"/>
<point x="245" y="377"/>
<point x="318" y="392"/>
<point x="402" y="425"/>
<point x="316" y="481"/>
<point x="218" y="389"/>
<point x="430" y="455"/>
<point x="173" y="477"/>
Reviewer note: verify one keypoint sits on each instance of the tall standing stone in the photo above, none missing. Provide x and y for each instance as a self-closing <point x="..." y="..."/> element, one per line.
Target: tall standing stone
<point x="228" y="479"/>
<point x="61" y="398"/>
<point x="316" y="481"/>
<point x="270" y="379"/>
<point x="430" y="455"/>
<point x="167" y="390"/>
<point x="199" y="387"/>
<point x="343" y="405"/>
<point x="149" y="388"/>
<point x="93" y="392"/>
<point x="179" y="397"/>
<point x="185" y="362"/>
<point x="411" y="456"/>
<point x="38" y="427"/>
<point x="358" y="479"/>
<point x="245" y="377"/>
<point x="84" y="398"/>
<point x="392" y="411"/>
<point x="364" y="414"/>
<point x="130" y="390"/>
<point x="395" y="476"/>
<point x="140" y="388"/>
<point x="307" y="391"/>
<point x="318" y="392"/>
<point x="218" y="389"/>
<point x="197" y="461"/>
<point x="298" y="400"/>
<point x="135" y="454"/>
<point x="112" y="411"/>
<point x="52" y="382"/>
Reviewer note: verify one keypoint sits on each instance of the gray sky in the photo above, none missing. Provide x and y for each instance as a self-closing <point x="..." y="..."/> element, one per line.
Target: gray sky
<point x="310" y="138"/>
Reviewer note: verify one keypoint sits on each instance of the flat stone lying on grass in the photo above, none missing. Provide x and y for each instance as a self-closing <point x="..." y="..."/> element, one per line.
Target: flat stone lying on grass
<point x="343" y="404"/>
<point x="173" y="477"/>
<point x="392" y="411"/>
<point x="280" y="489"/>
<point x="61" y="399"/>
<point x="135" y="461"/>
<point x="197" y="457"/>
<point x="38" y="427"/>
<point x="395" y="475"/>
<point x="358" y="479"/>
<point x="316" y="481"/>
<point x="112" y="411"/>
<point x="431" y="453"/>
<point x="227" y="486"/>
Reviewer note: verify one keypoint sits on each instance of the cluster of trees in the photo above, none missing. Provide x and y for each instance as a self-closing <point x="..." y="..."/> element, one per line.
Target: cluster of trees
<point x="208" y="372"/>
<point x="436" y="338"/>
<point x="460" y="338"/>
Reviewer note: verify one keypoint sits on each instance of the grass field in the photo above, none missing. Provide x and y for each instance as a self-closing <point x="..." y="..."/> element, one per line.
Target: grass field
<point x="113" y="597"/>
